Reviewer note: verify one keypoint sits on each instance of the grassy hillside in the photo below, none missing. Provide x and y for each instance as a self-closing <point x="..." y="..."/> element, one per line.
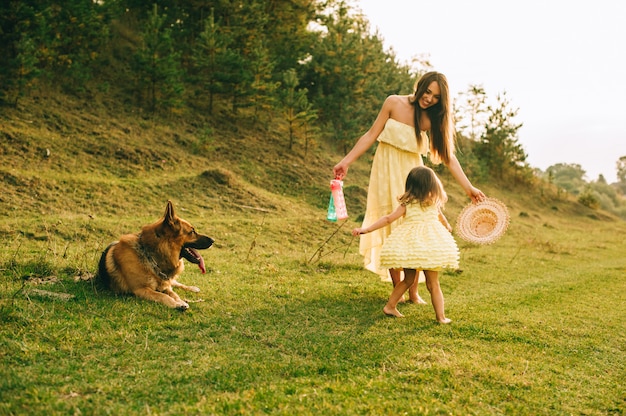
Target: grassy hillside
<point x="287" y="321"/>
<point x="61" y="156"/>
<point x="64" y="161"/>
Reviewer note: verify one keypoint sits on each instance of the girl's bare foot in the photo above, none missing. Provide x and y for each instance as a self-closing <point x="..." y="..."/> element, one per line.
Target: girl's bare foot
<point x="418" y="301"/>
<point x="444" y="321"/>
<point x="392" y="312"/>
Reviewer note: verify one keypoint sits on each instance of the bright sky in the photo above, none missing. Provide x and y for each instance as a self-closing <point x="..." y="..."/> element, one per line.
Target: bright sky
<point x="561" y="62"/>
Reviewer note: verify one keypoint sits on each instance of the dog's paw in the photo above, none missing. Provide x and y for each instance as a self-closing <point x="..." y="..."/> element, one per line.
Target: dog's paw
<point x="182" y="306"/>
<point x="194" y="289"/>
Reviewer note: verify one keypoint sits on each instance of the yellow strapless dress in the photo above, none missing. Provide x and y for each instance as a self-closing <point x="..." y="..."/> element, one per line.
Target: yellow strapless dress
<point x="397" y="153"/>
<point x="420" y="242"/>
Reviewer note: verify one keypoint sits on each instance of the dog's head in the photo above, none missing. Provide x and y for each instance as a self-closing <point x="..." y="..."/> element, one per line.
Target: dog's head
<point x="182" y="237"/>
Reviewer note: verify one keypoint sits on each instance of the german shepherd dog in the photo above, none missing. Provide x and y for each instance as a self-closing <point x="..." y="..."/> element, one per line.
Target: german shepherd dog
<point x="148" y="263"/>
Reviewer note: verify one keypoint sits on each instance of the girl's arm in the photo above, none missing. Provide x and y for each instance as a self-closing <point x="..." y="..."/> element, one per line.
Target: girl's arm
<point x="457" y="171"/>
<point x="366" y="141"/>
<point x="381" y="222"/>
<point x="444" y="220"/>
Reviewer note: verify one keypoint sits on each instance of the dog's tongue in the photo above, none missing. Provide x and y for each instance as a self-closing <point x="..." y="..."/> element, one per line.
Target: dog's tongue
<point x="201" y="264"/>
<point x="197" y="255"/>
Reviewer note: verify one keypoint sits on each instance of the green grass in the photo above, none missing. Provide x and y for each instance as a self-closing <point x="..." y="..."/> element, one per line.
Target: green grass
<point x="286" y="322"/>
<point x="538" y="328"/>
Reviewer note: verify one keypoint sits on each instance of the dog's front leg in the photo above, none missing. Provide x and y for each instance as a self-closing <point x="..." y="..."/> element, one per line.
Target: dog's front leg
<point x="165" y="298"/>
<point x="185" y="287"/>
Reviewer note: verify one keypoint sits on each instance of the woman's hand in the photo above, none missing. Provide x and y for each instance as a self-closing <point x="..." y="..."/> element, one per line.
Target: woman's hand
<point x="476" y="194"/>
<point x="340" y="170"/>
<point x="358" y="231"/>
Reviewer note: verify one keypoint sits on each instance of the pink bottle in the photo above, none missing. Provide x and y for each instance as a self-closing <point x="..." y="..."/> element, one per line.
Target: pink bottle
<point x="336" y="187"/>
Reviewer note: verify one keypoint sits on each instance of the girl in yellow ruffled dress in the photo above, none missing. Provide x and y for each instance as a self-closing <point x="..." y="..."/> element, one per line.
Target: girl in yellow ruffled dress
<point x="423" y="242"/>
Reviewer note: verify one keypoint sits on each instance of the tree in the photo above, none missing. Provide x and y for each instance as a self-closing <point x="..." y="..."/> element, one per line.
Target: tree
<point x="605" y="194"/>
<point x="309" y="116"/>
<point x="621" y="169"/>
<point x="621" y="175"/>
<point x="286" y="32"/>
<point x="24" y="67"/>
<point x="499" y="149"/>
<point x="349" y="73"/>
<point x="297" y="110"/>
<point x="210" y="57"/>
<point x="568" y="176"/>
<point x="158" y="65"/>
<point x="262" y="89"/>
<point x="52" y="40"/>
<point x="335" y="71"/>
<point x="471" y="113"/>
<point x="292" y="99"/>
<point x="19" y="62"/>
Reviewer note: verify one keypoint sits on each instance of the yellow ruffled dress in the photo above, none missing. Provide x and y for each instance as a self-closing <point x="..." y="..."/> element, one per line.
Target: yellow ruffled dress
<point x="421" y="242"/>
<point x="397" y="153"/>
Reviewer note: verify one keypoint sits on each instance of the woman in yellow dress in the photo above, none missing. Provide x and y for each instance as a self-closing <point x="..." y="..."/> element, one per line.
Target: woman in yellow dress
<point x="407" y="127"/>
<point x="423" y="242"/>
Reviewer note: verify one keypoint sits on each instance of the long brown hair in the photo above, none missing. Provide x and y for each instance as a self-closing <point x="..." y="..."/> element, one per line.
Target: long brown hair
<point x="423" y="186"/>
<point x="440" y="115"/>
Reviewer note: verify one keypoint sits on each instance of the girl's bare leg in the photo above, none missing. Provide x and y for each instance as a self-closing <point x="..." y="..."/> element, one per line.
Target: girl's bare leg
<point x="414" y="296"/>
<point x="436" y="296"/>
<point x="398" y="292"/>
<point x="396" y="277"/>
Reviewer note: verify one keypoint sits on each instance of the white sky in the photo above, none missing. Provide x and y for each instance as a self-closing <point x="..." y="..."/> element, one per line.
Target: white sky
<point x="561" y="62"/>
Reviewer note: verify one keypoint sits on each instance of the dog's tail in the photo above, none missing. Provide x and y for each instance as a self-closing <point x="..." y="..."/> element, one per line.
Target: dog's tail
<point x="104" y="278"/>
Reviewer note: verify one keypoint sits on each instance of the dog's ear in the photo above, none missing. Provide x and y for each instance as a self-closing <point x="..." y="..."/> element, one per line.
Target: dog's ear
<point x="170" y="215"/>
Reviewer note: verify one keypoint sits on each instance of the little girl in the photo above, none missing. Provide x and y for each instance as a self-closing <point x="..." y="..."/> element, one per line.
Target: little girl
<point x="422" y="242"/>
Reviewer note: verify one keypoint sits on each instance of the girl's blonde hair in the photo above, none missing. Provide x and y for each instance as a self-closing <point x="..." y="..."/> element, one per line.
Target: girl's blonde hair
<point x="423" y="186"/>
<point x="442" y="134"/>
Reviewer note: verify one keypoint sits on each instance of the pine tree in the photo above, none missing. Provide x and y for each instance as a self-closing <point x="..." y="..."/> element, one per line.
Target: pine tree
<point x="23" y="69"/>
<point x="262" y="89"/>
<point x="158" y="67"/>
<point x="209" y="57"/>
<point x="499" y="148"/>
<point x="472" y="111"/>
<point x="298" y="111"/>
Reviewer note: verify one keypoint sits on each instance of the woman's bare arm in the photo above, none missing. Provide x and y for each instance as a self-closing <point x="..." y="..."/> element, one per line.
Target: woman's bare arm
<point x="457" y="172"/>
<point x="367" y="140"/>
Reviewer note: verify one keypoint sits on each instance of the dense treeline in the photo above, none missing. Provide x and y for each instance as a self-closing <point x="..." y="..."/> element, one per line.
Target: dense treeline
<point x="314" y="64"/>
<point x="171" y="53"/>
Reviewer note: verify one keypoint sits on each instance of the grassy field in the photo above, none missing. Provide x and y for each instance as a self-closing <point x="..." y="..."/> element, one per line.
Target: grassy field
<point x="287" y="321"/>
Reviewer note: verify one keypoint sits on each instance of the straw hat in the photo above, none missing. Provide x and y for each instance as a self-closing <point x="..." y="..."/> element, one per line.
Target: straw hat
<point x="483" y="222"/>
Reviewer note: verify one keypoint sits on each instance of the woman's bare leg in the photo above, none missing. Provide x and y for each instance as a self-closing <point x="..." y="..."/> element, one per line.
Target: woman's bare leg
<point x="436" y="296"/>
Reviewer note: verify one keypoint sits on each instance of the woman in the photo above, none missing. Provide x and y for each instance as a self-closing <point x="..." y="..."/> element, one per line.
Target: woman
<point x="407" y="127"/>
